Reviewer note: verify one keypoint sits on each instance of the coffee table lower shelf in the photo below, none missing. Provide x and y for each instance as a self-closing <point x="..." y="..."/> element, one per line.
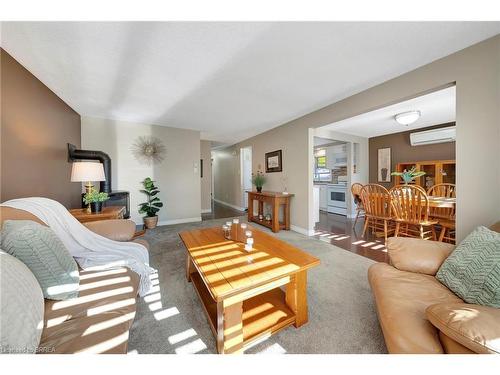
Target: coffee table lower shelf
<point x="263" y="315"/>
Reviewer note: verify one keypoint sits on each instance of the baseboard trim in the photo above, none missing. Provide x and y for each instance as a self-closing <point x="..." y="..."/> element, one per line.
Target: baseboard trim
<point x="305" y="232"/>
<point x="229" y="205"/>
<point x="179" y="221"/>
<point x="206" y="211"/>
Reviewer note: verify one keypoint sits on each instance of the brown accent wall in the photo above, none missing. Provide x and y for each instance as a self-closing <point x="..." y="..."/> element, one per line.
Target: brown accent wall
<point x="35" y="127"/>
<point x="402" y="151"/>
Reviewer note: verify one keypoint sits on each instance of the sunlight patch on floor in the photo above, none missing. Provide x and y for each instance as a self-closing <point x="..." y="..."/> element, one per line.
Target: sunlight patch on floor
<point x="152" y="297"/>
<point x="273" y="349"/>
<point x="178" y="337"/>
<point x="167" y="313"/>
<point x="341" y="238"/>
<point x="191" y="348"/>
<point x="155" y="306"/>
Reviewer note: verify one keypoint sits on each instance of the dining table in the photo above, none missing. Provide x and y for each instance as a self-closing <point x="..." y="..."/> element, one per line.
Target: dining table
<point x="441" y="202"/>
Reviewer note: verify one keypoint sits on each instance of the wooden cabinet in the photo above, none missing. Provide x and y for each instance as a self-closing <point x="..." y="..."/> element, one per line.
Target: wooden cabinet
<point x="436" y="172"/>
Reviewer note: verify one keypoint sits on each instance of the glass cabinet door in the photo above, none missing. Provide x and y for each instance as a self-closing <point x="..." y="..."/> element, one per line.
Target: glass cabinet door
<point x="447" y="172"/>
<point x="429" y="179"/>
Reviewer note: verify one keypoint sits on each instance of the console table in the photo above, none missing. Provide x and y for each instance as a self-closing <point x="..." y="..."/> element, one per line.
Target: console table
<point x="275" y="199"/>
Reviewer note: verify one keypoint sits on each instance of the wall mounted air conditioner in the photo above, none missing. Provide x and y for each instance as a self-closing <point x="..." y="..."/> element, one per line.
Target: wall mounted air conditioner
<point x="429" y="137"/>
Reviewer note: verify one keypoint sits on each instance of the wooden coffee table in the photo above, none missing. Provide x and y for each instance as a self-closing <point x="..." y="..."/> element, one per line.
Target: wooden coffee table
<point x="240" y="291"/>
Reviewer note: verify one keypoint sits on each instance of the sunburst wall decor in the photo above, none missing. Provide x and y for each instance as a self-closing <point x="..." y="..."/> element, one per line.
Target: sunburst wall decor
<point x="149" y="150"/>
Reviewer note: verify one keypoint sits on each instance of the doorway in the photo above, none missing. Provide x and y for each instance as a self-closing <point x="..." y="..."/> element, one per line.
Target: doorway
<point x="246" y="174"/>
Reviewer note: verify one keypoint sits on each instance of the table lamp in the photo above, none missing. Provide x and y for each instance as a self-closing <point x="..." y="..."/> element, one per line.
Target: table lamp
<point x="87" y="172"/>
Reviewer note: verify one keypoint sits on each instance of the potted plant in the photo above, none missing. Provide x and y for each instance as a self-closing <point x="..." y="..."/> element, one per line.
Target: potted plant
<point x="152" y="206"/>
<point x="409" y="176"/>
<point x="259" y="179"/>
<point x="95" y="199"/>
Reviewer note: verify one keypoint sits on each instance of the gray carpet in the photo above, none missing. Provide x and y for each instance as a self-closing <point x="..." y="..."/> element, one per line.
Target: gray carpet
<point x="342" y="317"/>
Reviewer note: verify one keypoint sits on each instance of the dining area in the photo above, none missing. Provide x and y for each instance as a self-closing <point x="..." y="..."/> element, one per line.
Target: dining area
<point x="406" y="210"/>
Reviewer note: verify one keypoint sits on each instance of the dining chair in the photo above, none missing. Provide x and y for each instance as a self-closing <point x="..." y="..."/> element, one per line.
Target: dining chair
<point x="444" y="215"/>
<point x="410" y="205"/>
<point x="356" y="195"/>
<point x="377" y="206"/>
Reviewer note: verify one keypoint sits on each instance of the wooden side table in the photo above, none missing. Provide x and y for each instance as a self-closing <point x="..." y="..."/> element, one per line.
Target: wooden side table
<point x="107" y="213"/>
<point x="276" y="200"/>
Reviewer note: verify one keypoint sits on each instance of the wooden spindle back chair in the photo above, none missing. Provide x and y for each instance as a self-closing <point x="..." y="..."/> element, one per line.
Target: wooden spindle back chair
<point x="410" y="206"/>
<point x="356" y="195"/>
<point x="446" y="191"/>
<point x="444" y="215"/>
<point x="377" y="205"/>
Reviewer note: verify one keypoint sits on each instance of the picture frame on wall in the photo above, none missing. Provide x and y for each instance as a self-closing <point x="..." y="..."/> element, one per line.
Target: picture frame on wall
<point x="274" y="162"/>
<point x="384" y="165"/>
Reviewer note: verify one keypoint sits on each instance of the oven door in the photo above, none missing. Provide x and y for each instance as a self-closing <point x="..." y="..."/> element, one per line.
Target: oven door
<point x="337" y="197"/>
<point x="337" y="201"/>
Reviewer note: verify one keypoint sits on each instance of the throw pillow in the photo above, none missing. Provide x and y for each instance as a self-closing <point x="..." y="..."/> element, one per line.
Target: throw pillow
<point x="42" y="251"/>
<point x="21" y="307"/>
<point x="472" y="271"/>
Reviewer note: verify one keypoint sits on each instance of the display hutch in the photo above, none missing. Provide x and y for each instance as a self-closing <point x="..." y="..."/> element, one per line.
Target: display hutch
<point x="436" y="172"/>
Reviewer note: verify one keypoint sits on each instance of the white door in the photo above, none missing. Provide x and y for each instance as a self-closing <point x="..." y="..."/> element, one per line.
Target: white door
<point x="246" y="173"/>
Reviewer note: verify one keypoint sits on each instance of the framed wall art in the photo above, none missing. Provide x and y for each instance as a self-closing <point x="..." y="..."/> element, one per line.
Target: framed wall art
<point x="384" y="165"/>
<point x="274" y="161"/>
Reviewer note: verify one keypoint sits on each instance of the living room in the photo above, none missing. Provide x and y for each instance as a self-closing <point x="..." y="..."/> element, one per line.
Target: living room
<point x="158" y="188"/>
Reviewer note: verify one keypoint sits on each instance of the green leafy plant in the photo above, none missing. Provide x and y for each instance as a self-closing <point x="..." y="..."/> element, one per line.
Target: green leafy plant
<point x="153" y="205"/>
<point x="259" y="179"/>
<point x="95" y="196"/>
<point x="409" y="176"/>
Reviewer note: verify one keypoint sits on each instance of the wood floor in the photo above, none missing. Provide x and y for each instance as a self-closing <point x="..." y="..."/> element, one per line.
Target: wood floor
<point x="220" y="211"/>
<point x="334" y="229"/>
<point x="339" y="231"/>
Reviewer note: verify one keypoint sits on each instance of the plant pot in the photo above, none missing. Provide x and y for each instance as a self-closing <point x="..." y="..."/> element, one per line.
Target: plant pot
<point x="95" y="207"/>
<point x="259" y="189"/>
<point x="151" y="222"/>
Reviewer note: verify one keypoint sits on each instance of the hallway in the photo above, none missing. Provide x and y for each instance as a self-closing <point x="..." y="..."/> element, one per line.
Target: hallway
<point x="220" y="211"/>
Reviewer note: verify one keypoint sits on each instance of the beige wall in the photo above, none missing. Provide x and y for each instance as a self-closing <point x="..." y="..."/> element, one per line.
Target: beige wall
<point x="476" y="72"/>
<point x="175" y="176"/>
<point x="36" y="126"/>
<point x="402" y="151"/>
<point x="295" y="157"/>
<point x="206" y="180"/>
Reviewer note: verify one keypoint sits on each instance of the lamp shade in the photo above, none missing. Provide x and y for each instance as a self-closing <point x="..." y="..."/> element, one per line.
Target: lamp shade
<point x="87" y="171"/>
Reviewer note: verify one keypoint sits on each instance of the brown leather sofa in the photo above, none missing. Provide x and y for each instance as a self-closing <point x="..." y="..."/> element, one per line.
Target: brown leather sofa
<point x="99" y="319"/>
<point x="418" y="314"/>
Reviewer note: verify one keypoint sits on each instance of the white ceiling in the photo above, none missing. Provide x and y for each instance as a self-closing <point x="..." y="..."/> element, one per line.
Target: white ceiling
<point x="228" y="80"/>
<point x="435" y="108"/>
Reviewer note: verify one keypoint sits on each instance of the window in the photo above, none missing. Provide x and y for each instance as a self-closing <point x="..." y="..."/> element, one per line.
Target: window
<point x="320" y="158"/>
<point x="321" y="172"/>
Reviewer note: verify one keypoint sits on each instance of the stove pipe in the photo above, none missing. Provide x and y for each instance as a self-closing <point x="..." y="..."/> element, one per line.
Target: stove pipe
<point x="74" y="154"/>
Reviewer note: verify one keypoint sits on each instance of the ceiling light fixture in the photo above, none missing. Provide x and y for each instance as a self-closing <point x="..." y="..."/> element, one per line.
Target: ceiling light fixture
<point x="407" y="118"/>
